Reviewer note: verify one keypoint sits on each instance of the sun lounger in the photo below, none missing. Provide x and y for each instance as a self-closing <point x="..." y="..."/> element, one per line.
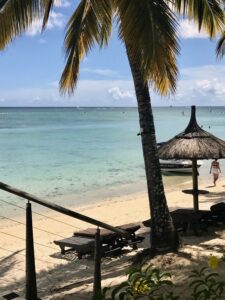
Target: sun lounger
<point x="81" y="245"/>
<point x="114" y="239"/>
<point x="83" y="241"/>
<point x="187" y="220"/>
<point x="216" y="216"/>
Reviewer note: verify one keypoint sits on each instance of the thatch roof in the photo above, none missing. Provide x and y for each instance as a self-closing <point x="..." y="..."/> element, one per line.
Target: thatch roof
<point x="193" y="143"/>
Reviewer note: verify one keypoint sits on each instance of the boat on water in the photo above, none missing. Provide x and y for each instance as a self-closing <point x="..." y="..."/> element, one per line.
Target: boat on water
<point x="182" y="166"/>
<point x="178" y="165"/>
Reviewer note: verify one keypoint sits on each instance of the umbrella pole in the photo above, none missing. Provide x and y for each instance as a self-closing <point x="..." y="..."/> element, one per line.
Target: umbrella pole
<point x="195" y="184"/>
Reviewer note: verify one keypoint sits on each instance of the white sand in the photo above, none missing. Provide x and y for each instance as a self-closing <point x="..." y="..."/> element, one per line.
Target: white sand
<point x="63" y="273"/>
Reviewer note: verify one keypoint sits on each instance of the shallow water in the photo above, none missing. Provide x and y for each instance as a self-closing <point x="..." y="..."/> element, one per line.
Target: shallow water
<point x="53" y="152"/>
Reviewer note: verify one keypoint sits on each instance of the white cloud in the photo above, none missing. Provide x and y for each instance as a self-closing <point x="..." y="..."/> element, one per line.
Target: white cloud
<point x="42" y="41"/>
<point x="37" y="98"/>
<point x="189" y="30"/>
<point x="62" y="3"/>
<point x="200" y="86"/>
<point x="103" y="72"/>
<point x="118" y="94"/>
<point x="206" y="71"/>
<point x="88" y="93"/>
<point x="56" y="20"/>
<point x="53" y="84"/>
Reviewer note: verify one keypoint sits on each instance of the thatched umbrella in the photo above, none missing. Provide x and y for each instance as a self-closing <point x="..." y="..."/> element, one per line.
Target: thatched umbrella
<point x="193" y="143"/>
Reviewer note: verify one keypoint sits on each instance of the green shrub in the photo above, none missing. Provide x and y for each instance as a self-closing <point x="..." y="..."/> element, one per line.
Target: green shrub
<point x="145" y="280"/>
<point x="206" y="285"/>
<point x="149" y="282"/>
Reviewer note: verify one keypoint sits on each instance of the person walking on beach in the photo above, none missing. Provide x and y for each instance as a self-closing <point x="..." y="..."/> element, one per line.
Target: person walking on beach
<point x="215" y="170"/>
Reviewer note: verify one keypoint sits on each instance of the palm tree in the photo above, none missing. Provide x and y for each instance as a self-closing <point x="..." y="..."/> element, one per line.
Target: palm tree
<point x="149" y="32"/>
<point x="220" y="50"/>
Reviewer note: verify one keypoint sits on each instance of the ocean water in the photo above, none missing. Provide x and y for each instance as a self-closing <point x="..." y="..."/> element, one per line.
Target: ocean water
<point x="78" y="155"/>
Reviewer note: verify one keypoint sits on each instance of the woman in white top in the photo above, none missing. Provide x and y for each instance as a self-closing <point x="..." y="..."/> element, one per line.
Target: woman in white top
<point x="215" y="170"/>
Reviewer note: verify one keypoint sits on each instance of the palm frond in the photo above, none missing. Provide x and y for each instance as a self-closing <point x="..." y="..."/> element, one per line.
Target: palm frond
<point x="16" y="17"/>
<point x="48" y="7"/>
<point x="104" y="12"/>
<point x="3" y="3"/>
<point x="208" y="14"/>
<point x="149" y="28"/>
<point x="90" y="24"/>
<point x="220" y="50"/>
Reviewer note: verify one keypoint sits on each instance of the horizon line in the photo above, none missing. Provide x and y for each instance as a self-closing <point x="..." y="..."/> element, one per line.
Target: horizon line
<point x="77" y="107"/>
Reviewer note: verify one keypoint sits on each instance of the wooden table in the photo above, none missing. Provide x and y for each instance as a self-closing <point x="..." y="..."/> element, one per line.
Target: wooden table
<point x="192" y="192"/>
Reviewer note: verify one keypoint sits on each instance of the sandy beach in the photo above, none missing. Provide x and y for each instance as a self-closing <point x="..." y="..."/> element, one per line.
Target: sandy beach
<point x="66" y="277"/>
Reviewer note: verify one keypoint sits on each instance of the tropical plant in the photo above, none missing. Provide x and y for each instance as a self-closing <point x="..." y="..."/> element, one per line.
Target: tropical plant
<point x="149" y="32"/>
<point x="149" y="282"/>
<point x="145" y="280"/>
<point x="206" y="285"/>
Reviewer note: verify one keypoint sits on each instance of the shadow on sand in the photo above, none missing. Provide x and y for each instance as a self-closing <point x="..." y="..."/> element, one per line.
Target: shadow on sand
<point x="74" y="279"/>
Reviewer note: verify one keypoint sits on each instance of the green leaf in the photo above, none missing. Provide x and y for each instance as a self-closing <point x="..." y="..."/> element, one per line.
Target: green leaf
<point x="119" y="288"/>
<point x="48" y="7"/>
<point x="207" y="14"/>
<point x="84" y="30"/>
<point x="197" y="281"/>
<point x="17" y="17"/>
<point x="3" y="3"/>
<point x="143" y="26"/>
<point x="134" y="278"/>
<point x="211" y="275"/>
<point x="166" y="282"/>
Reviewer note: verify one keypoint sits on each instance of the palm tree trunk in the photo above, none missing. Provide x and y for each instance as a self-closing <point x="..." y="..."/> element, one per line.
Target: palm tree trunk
<point x="163" y="235"/>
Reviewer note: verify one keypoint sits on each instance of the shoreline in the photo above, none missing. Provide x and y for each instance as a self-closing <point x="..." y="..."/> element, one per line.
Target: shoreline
<point x="99" y="197"/>
<point x="89" y="197"/>
<point x="108" y="200"/>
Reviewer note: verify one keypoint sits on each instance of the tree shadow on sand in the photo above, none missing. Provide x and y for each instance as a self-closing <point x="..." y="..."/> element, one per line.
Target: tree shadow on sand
<point x="74" y="278"/>
<point x="8" y="262"/>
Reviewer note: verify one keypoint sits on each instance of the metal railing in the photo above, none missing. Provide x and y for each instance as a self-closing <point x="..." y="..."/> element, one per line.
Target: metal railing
<point x="31" y="286"/>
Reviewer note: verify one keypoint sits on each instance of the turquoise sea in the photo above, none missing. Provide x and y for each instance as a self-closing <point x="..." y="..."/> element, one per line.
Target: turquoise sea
<point x="84" y="154"/>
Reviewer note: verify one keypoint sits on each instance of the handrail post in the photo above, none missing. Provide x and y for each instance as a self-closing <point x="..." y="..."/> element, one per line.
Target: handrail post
<point x="97" y="270"/>
<point x="195" y="184"/>
<point x="31" y="287"/>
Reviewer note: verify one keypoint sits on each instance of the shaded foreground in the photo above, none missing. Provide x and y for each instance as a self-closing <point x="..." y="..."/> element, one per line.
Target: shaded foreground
<point x="66" y="277"/>
<point x="75" y="278"/>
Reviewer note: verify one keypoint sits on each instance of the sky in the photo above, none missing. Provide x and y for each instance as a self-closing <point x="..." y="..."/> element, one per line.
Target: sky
<point x="30" y="69"/>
